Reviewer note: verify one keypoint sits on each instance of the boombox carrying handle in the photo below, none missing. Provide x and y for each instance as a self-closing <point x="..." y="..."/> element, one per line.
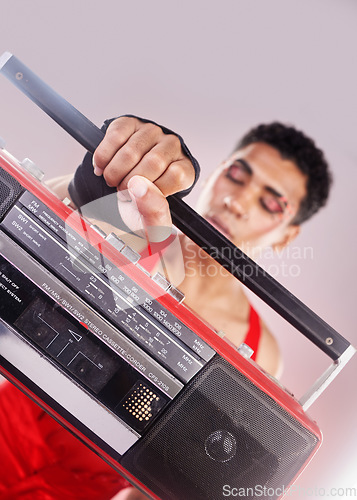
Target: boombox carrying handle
<point x="190" y="223"/>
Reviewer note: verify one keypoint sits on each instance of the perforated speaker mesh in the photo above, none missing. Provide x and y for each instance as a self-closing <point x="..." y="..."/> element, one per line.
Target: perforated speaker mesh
<point x="9" y="191"/>
<point x="223" y="430"/>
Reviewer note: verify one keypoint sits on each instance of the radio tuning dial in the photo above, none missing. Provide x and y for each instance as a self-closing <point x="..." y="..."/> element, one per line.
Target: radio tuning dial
<point x="32" y="168"/>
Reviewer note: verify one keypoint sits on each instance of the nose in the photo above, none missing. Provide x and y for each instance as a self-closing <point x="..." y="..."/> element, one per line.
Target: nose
<point x="240" y="204"/>
<point x="235" y="207"/>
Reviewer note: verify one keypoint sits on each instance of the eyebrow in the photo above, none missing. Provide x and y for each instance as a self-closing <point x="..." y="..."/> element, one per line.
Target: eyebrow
<point x="274" y="192"/>
<point x="248" y="169"/>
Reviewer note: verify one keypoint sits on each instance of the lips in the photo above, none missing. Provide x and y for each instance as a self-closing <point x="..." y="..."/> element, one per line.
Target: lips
<point x="219" y="225"/>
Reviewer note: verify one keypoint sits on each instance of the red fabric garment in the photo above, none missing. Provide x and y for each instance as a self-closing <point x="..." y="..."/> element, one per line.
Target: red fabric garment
<point x="40" y="460"/>
<point x="252" y="337"/>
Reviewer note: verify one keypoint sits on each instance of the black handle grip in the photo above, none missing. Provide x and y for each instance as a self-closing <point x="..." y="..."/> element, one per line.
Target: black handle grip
<point x="60" y="110"/>
<point x="185" y="218"/>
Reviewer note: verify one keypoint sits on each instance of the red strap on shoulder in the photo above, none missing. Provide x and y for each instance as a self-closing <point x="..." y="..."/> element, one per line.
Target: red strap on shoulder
<point x="252" y="337"/>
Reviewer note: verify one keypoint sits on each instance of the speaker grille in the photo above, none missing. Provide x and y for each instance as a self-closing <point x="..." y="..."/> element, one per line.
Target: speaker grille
<point x="9" y="191"/>
<point x="223" y="430"/>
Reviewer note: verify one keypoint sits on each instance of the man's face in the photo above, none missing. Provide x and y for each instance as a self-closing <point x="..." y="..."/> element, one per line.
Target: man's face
<point x="253" y="197"/>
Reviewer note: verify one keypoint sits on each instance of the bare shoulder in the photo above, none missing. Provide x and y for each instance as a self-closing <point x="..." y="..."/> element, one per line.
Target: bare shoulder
<point x="269" y="356"/>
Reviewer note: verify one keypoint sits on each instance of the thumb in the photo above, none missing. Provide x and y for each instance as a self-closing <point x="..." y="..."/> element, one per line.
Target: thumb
<point x="153" y="208"/>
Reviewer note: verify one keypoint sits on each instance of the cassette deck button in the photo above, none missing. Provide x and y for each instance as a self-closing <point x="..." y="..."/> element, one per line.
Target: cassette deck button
<point x="115" y="241"/>
<point x="130" y="254"/>
<point x="176" y="294"/>
<point x="161" y="281"/>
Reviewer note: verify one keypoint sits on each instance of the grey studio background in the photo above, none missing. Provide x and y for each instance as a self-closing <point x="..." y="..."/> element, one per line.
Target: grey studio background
<point x="210" y="71"/>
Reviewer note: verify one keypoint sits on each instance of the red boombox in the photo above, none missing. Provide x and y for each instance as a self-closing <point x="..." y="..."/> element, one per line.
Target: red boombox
<point x="114" y="355"/>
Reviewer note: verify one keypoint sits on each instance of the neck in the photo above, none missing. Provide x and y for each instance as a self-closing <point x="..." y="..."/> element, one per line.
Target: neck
<point x="206" y="276"/>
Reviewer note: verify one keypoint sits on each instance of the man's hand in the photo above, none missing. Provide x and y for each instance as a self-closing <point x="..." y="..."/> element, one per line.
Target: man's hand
<point x="149" y="211"/>
<point x="131" y="147"/>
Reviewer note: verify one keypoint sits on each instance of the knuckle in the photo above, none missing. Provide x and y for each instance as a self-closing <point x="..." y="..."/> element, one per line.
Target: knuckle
<point x="114" y="130"/>
<point x="115" y="136"/>
<point x="155" y="162"/>
<point x="113" y="176"/>
<point x="130" y="154"/>
<point x="174" y="142"/>
<point x="119" y="123"/>
<point x="110" y="178"/>
<point x="150" y="129"/>
<point x="179" y="176"/>
<point x="120" y="129"/>
<point x="115" y="125"/>
<point x="100" y="158"/>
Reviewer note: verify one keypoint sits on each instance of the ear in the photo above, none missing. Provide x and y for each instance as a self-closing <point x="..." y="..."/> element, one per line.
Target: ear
<point x="291" y="232"/>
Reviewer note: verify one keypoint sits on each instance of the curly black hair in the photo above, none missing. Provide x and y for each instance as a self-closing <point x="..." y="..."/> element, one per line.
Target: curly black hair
<point x="294" y="145"/>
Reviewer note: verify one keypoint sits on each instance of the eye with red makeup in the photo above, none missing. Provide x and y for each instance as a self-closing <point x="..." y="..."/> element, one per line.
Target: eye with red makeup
<point x="273" y="205"/>
<point x="276" y="205"/>
<point x="237" y="173"/>
<point x="272" y="202"/>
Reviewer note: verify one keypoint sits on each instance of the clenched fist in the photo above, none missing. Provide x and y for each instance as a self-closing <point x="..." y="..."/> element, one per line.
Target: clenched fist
<point x="133" y="147"/>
